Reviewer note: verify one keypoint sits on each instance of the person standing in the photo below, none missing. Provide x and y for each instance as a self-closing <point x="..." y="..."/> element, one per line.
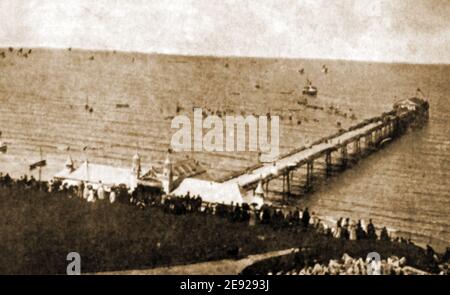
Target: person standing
<point x="253" y="217"/>
<point x="101" y="192"/>
<point x="360" y="231"/>
<point x="352" y="230"/>
<point x="86" y="192"/>
<point x="384" y="235"/>
<point x="371" y="233"/>
<point x="305" y="218"/>
<point x="91" y="195"/>
<point x="112" y="195"/>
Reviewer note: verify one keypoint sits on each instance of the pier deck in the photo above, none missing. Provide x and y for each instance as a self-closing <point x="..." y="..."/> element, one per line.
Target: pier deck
<point x="366" y="136"/>
<point x="289" y="162"/>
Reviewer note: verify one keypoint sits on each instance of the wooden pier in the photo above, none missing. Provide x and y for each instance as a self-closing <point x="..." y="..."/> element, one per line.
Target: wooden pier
<point x="352" y="143"/>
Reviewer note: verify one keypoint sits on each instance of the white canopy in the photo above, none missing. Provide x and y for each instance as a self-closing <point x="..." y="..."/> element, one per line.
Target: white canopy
<point x="96" y="173"/>
<point x="210" y="191"/>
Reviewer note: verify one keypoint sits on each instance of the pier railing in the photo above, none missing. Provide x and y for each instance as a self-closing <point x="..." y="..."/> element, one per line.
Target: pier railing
<point x="367" y="135"/>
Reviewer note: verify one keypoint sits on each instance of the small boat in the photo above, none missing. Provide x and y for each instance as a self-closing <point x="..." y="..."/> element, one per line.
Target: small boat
<point x="309" y="89"/>
<point x="122" y="105"/>
<point x="3" y="147"/>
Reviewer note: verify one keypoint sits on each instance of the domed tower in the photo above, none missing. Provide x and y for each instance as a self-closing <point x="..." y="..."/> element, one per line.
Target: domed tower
<point x="259" y="191"/>
<point x="259" y="194"/>
<point x="135" y="171"/>
<point x="136" y="165"/>
<point x="167" y="176"/>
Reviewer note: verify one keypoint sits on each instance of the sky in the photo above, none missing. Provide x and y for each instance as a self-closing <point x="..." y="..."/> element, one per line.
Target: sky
<point x="412" y="31"/>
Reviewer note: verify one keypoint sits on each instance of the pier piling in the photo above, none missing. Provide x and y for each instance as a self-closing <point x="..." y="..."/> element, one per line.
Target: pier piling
<point x="362" y="139"/>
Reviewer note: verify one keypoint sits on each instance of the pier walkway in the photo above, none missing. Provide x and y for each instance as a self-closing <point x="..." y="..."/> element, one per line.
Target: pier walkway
<point x="369" y="135"/>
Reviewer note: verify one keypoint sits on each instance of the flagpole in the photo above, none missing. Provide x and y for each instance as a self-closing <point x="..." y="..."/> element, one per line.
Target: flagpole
<point x="87" y="163"/>
<point x="40" y="172"/>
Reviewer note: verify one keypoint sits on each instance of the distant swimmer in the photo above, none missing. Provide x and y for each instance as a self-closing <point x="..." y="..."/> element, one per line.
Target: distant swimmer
<point x="178" y="109"/>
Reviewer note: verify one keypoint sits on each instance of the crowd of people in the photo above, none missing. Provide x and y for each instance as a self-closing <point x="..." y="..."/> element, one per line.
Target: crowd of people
<point x="267" y="214"/>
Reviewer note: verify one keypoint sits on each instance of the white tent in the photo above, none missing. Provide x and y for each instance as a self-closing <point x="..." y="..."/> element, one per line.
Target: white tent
<point x="95" y="173"/>
<point x="210" y="191"/>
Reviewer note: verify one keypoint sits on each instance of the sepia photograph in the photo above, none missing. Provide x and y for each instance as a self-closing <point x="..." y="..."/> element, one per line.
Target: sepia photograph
<point x="225" y="137"/>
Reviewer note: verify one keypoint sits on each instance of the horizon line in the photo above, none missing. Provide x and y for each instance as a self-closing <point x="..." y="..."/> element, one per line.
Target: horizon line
<point x="223" y="56"/>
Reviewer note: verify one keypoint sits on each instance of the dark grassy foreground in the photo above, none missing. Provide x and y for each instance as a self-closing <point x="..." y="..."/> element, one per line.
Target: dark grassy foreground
<point x="322" y="253"/>
<point x="38" y="230"/>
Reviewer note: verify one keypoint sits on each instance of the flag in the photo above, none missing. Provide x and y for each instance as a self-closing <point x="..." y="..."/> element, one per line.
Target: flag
<point x="40" y="163"/>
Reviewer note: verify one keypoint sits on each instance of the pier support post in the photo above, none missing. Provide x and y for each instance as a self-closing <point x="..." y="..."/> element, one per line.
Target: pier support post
<point x="368" y="141"/>
<point x="357" y="148"/>
<point x="396" y="130"/>
<point x="288" y="182"/>
<point x="390" y="128"/>
<point x="385" y="131"/>
<point x="344" y="156"/>
<point x="379" y="135"/>
<point x="309" y="175"/>
<point x="328" y="164"/>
